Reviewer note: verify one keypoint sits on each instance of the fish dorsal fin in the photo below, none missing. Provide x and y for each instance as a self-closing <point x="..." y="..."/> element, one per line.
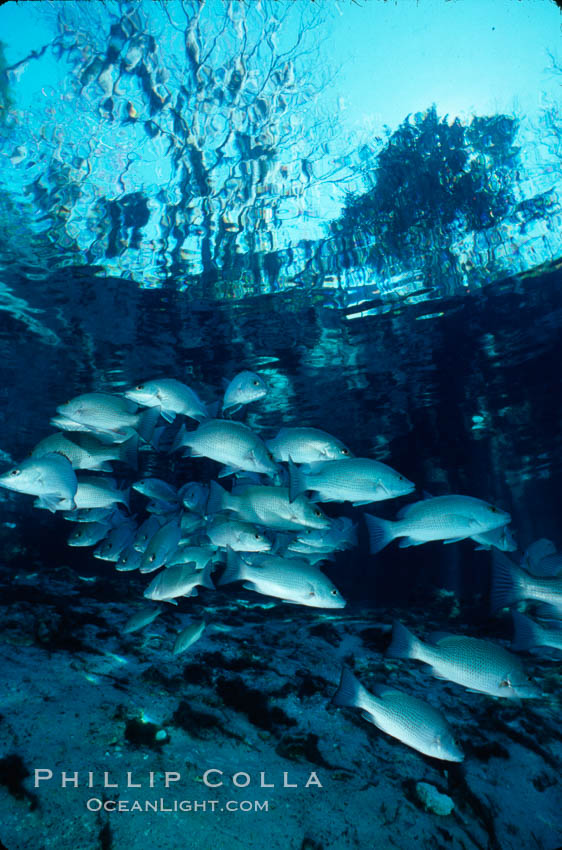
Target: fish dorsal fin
<point x="382" y="691"/>
<point x="438" y="638"/>
<point x="426" y="495"/>
<point x="403" y="512"/>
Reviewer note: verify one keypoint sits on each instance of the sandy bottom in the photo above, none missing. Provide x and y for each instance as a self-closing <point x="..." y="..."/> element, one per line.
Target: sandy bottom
<point x="251" y="697"/>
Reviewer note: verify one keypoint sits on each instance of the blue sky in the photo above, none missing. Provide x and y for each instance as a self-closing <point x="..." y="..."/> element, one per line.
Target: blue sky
<point x="465" y="55"/>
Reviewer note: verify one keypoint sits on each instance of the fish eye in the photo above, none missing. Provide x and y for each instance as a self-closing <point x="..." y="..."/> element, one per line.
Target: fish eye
<point x="345" y="451"/>
<point x="140" y="387"/>
<point x="505" y="684"/>
<point x="493" y="509"/>
<point x="334" y="592"/>
<point x="256" y="383"/>
<point x="257" y="536"/>
<point x="317" y="513"/>
<point x="152" y="558"/>
<point x="15" y="472"/>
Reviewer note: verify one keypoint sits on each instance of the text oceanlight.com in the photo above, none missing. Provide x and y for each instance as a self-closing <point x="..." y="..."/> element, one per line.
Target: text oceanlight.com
<point x="95" y="804"/>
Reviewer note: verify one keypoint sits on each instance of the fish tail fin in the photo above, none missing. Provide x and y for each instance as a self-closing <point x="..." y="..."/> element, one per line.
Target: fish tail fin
<point x="507" y="582"/>
<point x="217" y="499"/>
<point x="179" y="439"/>
<point x="526" y="633"/>
<point x="147" y="422"/>
<point x="234" y="568"/>
<point x="297" y="481"/>
<point x="404" y="644"/>
<point x="128" y="451"/>
<point x="350" y="690"/>
<point x="381" y="532"/>
<point x="206" y="580"/>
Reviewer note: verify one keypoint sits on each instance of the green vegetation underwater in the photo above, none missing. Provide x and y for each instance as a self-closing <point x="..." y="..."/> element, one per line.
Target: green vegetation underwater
<point x="280" y="446"/>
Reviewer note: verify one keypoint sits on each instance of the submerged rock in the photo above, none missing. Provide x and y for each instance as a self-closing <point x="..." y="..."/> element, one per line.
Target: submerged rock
<point x="432" y="800"/>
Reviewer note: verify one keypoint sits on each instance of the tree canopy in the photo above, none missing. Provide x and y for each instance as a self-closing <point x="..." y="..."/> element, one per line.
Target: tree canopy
<point x="431" y="181"/>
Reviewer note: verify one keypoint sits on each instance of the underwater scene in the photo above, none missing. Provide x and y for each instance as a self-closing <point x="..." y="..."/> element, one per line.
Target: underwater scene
<point x="280" y="446"/>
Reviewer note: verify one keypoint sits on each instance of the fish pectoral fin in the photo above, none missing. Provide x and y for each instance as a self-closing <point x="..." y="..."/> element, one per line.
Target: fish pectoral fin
<point x="48" y="502"/>
<point x="369" y="717"/>
<point x="364" y="502"/>
<point x="437" y="675"/>
<point x="460" y="520"/>
<point x="168" y="415"/>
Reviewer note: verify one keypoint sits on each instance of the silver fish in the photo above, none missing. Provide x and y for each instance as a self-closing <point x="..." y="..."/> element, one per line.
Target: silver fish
<point x="412" y="721"/>
<point x="146" y="531"/>
<point x="341" y="534"/>
<point x="89" y="533"/>
<point x="357" y="480"/>
<point x="129" y="559"/>
<point x="288" y="579"/>
<point x="194" y="496"/>
<point x="197" y="556"/>
<point x="479" y="665"/>
<point x="161" y="545"/>
<point x="156" y="488"/>
<point x="141" y="619"/>
<point x="306" y="445"/>
<point x="228" y="442"/>
<point x="170" y="397"/>
<point x="268" y="506"/>
<point x="50" y="477"/>
<point x="93" y="492"/>
<point x="238" y="535"/>
<point x="244" y="388"/>
<point x="118" y="539"/>
<point x="447" y="518"/>
<point x="91" y="514"/>
<point x="188" y="636"/>
<point x="180" y="580"/>
<point x="84" y="451"/>
<point x="313" y="556"/>
<point x="106" y="415"/>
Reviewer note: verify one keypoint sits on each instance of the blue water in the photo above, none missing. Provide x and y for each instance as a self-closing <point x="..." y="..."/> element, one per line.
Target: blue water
<point x="181" y="196"/>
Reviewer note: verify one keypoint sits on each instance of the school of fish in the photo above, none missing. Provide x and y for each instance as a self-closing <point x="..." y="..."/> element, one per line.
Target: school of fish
<point x="269" y="531"/>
